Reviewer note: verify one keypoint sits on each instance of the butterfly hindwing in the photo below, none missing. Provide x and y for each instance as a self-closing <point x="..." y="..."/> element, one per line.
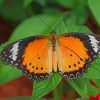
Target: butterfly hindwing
<point x="31" y="55"/>
<point x="77" y="52"/>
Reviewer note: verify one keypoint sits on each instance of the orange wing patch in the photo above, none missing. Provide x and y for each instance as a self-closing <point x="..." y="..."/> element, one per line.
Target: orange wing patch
<point x="75" y="45"/>
<point x="36" y="59"/>
<point x="73" y="56"/>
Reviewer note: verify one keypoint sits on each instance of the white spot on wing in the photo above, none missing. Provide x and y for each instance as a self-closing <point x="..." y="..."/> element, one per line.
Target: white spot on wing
<point x="14" y="51"/>
<point x="94" y="43"/>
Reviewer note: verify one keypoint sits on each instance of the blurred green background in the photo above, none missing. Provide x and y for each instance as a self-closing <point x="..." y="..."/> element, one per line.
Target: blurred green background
<point x="23" y="18"/>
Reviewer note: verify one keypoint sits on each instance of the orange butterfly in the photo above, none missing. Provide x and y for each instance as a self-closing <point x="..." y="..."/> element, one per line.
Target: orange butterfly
<point x="38" y="56"/>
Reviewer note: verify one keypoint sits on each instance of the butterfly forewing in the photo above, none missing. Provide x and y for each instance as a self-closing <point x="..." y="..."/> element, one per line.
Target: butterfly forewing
<point x="77" y="52"/>
<point x="31" y="55"/>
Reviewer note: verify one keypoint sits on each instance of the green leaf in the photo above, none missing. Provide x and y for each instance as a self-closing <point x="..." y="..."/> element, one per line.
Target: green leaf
<point x="66" y="3"/>
<point x="8" y="73"/>
<point x="79" y="11"/>
<point x="91" y="90"/>
<point x="27" y="2"/>
<point x="41" y="2"/>
<point x="59" y="90"/>
<point x="51" y="11"/>
<point x="1" y="3"/>
<point x="66" y="27"/>
<point x="14" y="10"/>
<point x="37" y="25"/>
<point x="84" y="88"/>
<point x="79" y="85"/>
<point x="17" y="98"/>
<point x="95" y="9"/>
<point x="44" y="87"/>
<point x="94" y="71"/>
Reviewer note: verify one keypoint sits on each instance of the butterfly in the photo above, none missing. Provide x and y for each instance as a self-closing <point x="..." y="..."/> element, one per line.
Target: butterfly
<point x="38" y="57"/>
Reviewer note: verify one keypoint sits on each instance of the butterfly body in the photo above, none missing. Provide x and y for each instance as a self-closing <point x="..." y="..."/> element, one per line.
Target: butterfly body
<point x="54" y="44"/>
<point x="39" y="56"/>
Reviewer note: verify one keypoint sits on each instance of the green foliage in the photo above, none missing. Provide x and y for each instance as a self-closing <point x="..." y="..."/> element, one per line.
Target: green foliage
<point x="38" y="26"/>
<point x="1" y="3"/>
<point x="67" y="3"/>
<point x="95" y="9"/>
<point x="8" y="73"/>
<point x="13" y="10"/>
<point x="48" y="19"/>
<point x="92" y="90"/>
<point x="17" y="98"/>
<point x="27" y="2"/>
<point x="44" y="87"/>
<point x="94" y="71"/>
